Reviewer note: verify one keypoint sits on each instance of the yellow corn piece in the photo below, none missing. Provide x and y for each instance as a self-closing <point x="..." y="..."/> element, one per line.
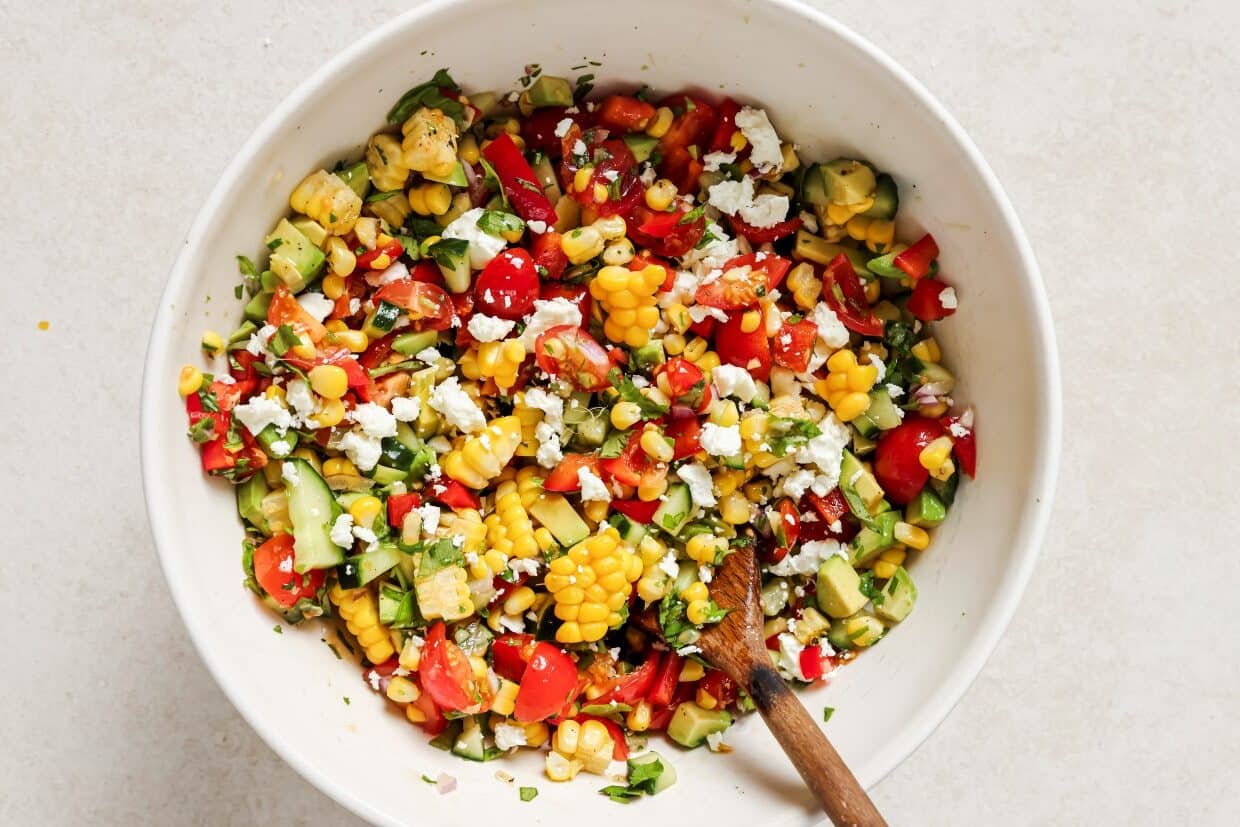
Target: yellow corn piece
<point x="360" y="612"/>
<point x="591" y="584"/>
<point x="482" y="457"/>
<point x="328" y="200"/>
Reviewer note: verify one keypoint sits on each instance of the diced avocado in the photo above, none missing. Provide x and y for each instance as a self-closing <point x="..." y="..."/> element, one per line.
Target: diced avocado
<point x="666" y="779"/>
<point x="630" y="532"/>
<point x="269" y="281"/>
<point x="642" y="146"/>
<point x="411" y="344"/>
<point x="854" y="479"/>
<point x="452" y="256"/>
<point x="813" y="187"/>
<point x="277" y="445"/>
<point x="882" y="411"/>
<point x="549" y="90"/>
<point x="455" y="178"/>
<point x="886" y="198"/>
<point x="649" y="355"/>
<point x="357" y="176"/>
<point x="560" y="518"/>
<point x="870" y="542"/>
<point x="899" y="595"/>
<point x="487" y="103"/>
<point x="313" y="510"/>
<point x="691" y="724"/>
<point x="256" y="309"/>
<point x="469" y="743"/>
<point x="360" y="569"/>
<point x="674" y="510"/>
<point x="926" y="510"/>
<point x="242" y="334"/>
<point x="839" y="588"/>
<point x="861" y="444"/>
<point x="946" y="489"/>
<point x="420" y="385"/>
<point x="548" y="179"/>
<point x="250" y="502"/>
<point x="395" y="454"/>
<point x="311" y="229"/>
<point x="381" y="320"/>
<point x="848" y="181"/>
<point x="865" y="630"/>
<point x="294" y="258"/>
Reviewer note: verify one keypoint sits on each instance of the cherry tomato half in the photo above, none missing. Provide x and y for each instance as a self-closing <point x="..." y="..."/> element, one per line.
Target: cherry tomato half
<point x="572" y="354"/>
<point x="273" y="569"/>
<point x="897" y="466"/>
<point x="427" y="306"/>
<point x="508" y="285"/>
<point x="548" y="684"/>
<point x="448" y="676"/>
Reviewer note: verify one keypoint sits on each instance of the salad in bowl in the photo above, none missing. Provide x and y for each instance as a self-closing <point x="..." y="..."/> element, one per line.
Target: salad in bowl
<point x="511" y="385"/>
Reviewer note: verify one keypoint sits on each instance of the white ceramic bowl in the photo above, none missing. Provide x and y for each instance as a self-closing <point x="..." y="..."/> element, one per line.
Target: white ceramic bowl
<point x="830" y="92"/>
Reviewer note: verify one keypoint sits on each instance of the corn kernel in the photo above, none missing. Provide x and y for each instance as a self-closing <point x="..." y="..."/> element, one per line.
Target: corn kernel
<point x="927" y="350"/>
<point x="582" y="178"/>
<point x="582" y="244"/>
<point x="402" y="690"/>
<point x="618" y="252"/>
<point x="365" y="509"/>
<point x="329" y="381"/>
<point x="189" y="381"/>
<point x="696" y="590"/>
<point x="656" y="446"/>
<point x="638" y="719"/>
<point x="660" y="195"/>
<point x="935" y="453"/>
<point x="338" y="465"/>
<point x="691" y="671"/>
<point x="505" y="700"/>
<point x="519" y="600"/>
<point x="734" y="509"/>
<point x="697" y="611"/>
<point x="331" y="414"/>
<point x="912" y="536"/>
<point x="661" y="122"/>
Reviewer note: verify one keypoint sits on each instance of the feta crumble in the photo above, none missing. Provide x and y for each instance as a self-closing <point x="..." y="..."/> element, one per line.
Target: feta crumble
<point x="406" y="408"/>
<point x="592" y="486"/>
<point x="482" y="245"/>
<point x="362" y="449"/>
<point x="342" y="531"/>
<point x="719" y="441"/>
<point x="430" y="515"/>
<point x="830" y="329"/>
<point x="764" y="152"/>
<point x="489" y="328"/>
<point x="375" y="420"/>
<point x="701" y="487"/>
<point x="262" y="411"/>
<point x="807" y="559"/>
<point x="947" y="298"/>
<point x="457" y="406"/>
<point x="731" y="380"/>
<point x="288" y="471"/>
<point x="316" y="304"/>
<point x="548" y="313"/>
<point x="714" y="160"/>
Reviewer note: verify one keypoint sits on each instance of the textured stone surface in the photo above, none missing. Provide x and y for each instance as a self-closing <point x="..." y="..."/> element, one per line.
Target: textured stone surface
<point x="1111" y="699"/>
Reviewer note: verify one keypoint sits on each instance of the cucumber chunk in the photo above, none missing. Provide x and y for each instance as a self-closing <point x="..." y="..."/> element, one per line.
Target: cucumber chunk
<point x="673" y="513"/>
<point x="312" y="510"/>
<point x="360" y="569"/>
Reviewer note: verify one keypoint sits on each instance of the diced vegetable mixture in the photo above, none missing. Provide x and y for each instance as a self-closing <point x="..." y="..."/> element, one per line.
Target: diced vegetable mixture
<point x="535" y="365"/>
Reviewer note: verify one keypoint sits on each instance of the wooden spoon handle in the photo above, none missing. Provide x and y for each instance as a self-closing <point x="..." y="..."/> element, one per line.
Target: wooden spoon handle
<point x="824" y="772"/>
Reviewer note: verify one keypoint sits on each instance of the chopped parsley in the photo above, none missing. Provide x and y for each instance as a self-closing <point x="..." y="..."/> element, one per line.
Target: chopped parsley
<point x="278" y="629"/>
<point x="528" y="793"/>
<point x="643" y="778"/>
<point x="429" y="94"/>
<point x="631" y="393"/>
<point x="827" y="712"/>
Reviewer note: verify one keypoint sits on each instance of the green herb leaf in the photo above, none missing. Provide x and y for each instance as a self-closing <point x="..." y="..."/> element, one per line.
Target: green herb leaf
<point x="672" y="620"/>
<point x="692" y="215"/>
<point x="491" y="178"/>
<point x="283" y="340"/>
<point x="429" y="780"/>
<point x="497" y="223"/>
<point x="246" y="266"/>
<point x="278" y="629"/>
<point x="787" y="433"/>
<point x="528" y="793"/>
<point x="382" y="196"/>
<point x="203" y="430"/>
<point x="827" y="712"/>
<point x="643" y="777"/>
<point x="631" y="393"/>
<point x="870" y="589"/>
<point x="439" y="555"/>
<point x="429" y="94"/>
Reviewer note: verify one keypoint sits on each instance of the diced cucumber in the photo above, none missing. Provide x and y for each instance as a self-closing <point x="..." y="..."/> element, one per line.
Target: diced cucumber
<point x="666" y="779"/>
<point x="360" y="569"/>
<point x="312" y="510"/>
<point x="848" y="181"/>
<point x="381" y="320"/>
<point x="865" y="426"/>
<point x="357" y="176"/>
<point x="882" y="411"/>
<point x="395" y="606"/>
<point x="294" y="258"/>
<point x="691" y="724"/>
<point x="559" y="517"/>
<point x="899" y="595"/>
<point x="452" y="257"/>
<point x="814" y="187"/>
<point x="250" y="502"/>
<point x="870" y="542"/>
<point x="256" y="308"/>
<point x="395" y="454"/>
<point x="673" y="512"/>
<point x="642" y="146"/>
<point x="455" y="178"/>
<point x="886" y="198"/>
<point x="774" y="596"/>
<point x="932" y="373"/>
<point x="926" y="510"/>
<point x="469" y="743"/>
<point x="630" y="532"/>
<point x="591" y="432"/>
<point x="736" y="461"/>
<point x="411" y="344"/>
<point x="386" y="476"/>
<point x="275" y="444"/>
<point x="839" y="587"/>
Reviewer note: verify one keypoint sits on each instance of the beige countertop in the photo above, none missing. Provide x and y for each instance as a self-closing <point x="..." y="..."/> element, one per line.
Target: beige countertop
<point x="1111" y="700"/>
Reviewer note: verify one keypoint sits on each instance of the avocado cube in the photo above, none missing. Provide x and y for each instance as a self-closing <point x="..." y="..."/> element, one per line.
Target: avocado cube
<point x="926" y="510"/>
<point x="839" y="588"/>
<point x="294" y="257"/>
<point x="549" y="90"/>
<point x="560" y="518"/>
<point x="898" y="598"/>
<point x="691" y="724"/>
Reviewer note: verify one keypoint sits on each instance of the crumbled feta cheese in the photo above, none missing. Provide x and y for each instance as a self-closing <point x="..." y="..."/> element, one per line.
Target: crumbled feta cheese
<point x="406" y="408"/>
<point x="767" y="210"/>
<point x="457" y="407"/>
<point x="362" y="449"/>
<point x="713" y="255"/>
<point x="807" y="559"/>
<point x="592" y="486"/>
<point x="701" y="488"/>
<point x="262" y="411"/>
<point x="486" y="328"/>
<point x="552" y="407"/>
<point x="427" y="356"/>
<point x="298" y="394"/>
<point x="524" y="565"/>
<point x="826" y="451"/>
<point x="281" y="447"/>
<point x="706" y="573"/>
<point x="894" y="391"/>
<point x="685" y="651"/>
<point x="714" y="742"/>
<point x="789" y="658"/>
<point x="737" y="198"/>
<point x="878" y="366"/>
<point x="548" y="313"/>
<point x="729" y="196"/>
<point x="482" y="245"/>
<point x="374" y="679"/>
<point x="957" y="430"/>
<point x="375" y="420"/>
<point x="809" y="221"/>
<point x="366" y="536"/>
<point x="701" y="312"/>
<point x="579" y="147"/>
<point x="668" y="564"/>
<point x="342" y="531"/>
<point x="549" y="453"/>
<point x="719" y="441"/>
<point x="430" y="517"/>
<point x="561" y="128"/>
<point x="648" y="175"/>
<point x="731" y="380"/>
<point x="796" y="483"/>
<point x="355" y="304"/>
<point x="512" y="623"/>
<point x="509" y="736"/>
<point x="439" y="444"/>
<point x="714" y="160"/>
<point x="764" y="152"/>
<point x="836" y="527"/>
<point x="225" y="379"/>
<point x="288" y="471"/>
<point x="947" y="298"/>
<point x="393" y="272"/>
<point x="830" y="329"/>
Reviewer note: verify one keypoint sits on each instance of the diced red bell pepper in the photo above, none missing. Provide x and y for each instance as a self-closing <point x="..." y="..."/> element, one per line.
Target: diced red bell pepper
<point x="844" y="294"/>
<point x="722" y="139"/>
<point x="624" y="114"/>
<point x="400" y="505"/>
<point x="794" y="345"/>
<point x="665" y="233"/>
<point x="916" y="260"/>
<point x="664" y="685"/>
<point x="964" y="447"/>
<point x="518" y="180"/>
<point x="638" y="511"/>
<point x="453" y="494"/>
<point x="392" y="250"/>
<point x="926" y="301"/>
<point x="751" y="351"/>
<point x="831" y="507"/>
<point x="812" y="665"/>
<point x="548" y="254"/>
<point x="660" y="717"/>
<point x="761" y="235"/>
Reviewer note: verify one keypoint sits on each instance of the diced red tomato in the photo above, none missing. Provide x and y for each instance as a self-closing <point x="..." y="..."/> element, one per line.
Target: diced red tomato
<point x="720" y="687"/>
<point x="813" y="665"/>
<point x="518" y="180"/>
<point x="446" y="674"/>
<point x="427" y="306"/>
<point x="435" y="722"/>
<point x="538" y="130"/>
<point x="614" y="168"/>
<point x="391" y="251"/>
<point x="273" y="569"/>
<point x="660" y="717"/>
<point x="686" y="431"/>
<point x="634" y="686"/>
<point x="665" y="233"/>
<point x="508" y="285"/>
<point x="916" y="260"/>
<point x="624" y="114"/>
<point x="751" y="351"/>
<point x="355" y="287"/>
<point x="634" y="466"/>
<point x="639" y="511"/>
<point x="793" y="345"/>
<point x="897" y="466"/>
<point x="400" y="505"/>
<point x="548" y="254"/>
<point x="453" y="494"/>
<point x="510" y="654"/>
<point x="578" y="294"/>
<point x="831" y="507"/>
<point x="685" y="381"/>
<point x="926" y="301"/>
<point x="761" y="235"/>
<point x="722" y="139"/>
<point x="664" y="685"/>
<point x="681" y="168"/>
<point x="548" y="684"/>
<point x="572" y="354"/>
<point x="694" y="123"/>
<point x="284" y="310"/>
<point x="564" y="476"/>
<point x="745" y="279"/>
<point x="426" y="270"/>
<point x="844" y="294"/>
<point x="964" y="447"/>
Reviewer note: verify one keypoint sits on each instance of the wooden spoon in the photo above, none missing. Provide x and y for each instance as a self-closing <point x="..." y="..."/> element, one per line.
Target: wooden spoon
<point x="736" y="647"/>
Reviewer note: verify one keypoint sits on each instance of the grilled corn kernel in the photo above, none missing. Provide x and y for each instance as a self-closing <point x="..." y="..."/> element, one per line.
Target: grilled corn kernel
<point x="912" y="536"/>
<point x="625" y="415"/>
<point x="331" y="414"/>
<point x="328" y="200"/>
<point x="697" y="611"/>
<point x="618" y="252"/>
<point x="935" y="454"/>
<point x="590" y="584"/>
<point x="582" y="244"/>
<point x="750" y="321"/>
<point x="365" y="509"/>
<point x="660" y="195"/>
<point x="338" y="465"/>
<point x="673" y="343"/>
<point x="638" y="718"/>
<point x="360" y="612"/>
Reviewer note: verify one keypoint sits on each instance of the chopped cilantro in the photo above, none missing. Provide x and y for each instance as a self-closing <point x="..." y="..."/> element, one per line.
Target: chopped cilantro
<point x="203" y="430"/>
<point x="528" y="793"/>
<point x="787" y="433"/>
<point x="428" y="779"/>
<point x="827" y="712"/>
<point x="643" y="777"/>
<point x="631" y="393"/>
<point x="429" y="94"/>
<point x="347" y="702"/>
<point x="283" y="340"/>
<point x="692" y="215"/>
<point x="278" y="629"/>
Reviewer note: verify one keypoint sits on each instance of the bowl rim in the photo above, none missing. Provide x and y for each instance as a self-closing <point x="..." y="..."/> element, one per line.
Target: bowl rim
<point x="1035" y="515"/>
